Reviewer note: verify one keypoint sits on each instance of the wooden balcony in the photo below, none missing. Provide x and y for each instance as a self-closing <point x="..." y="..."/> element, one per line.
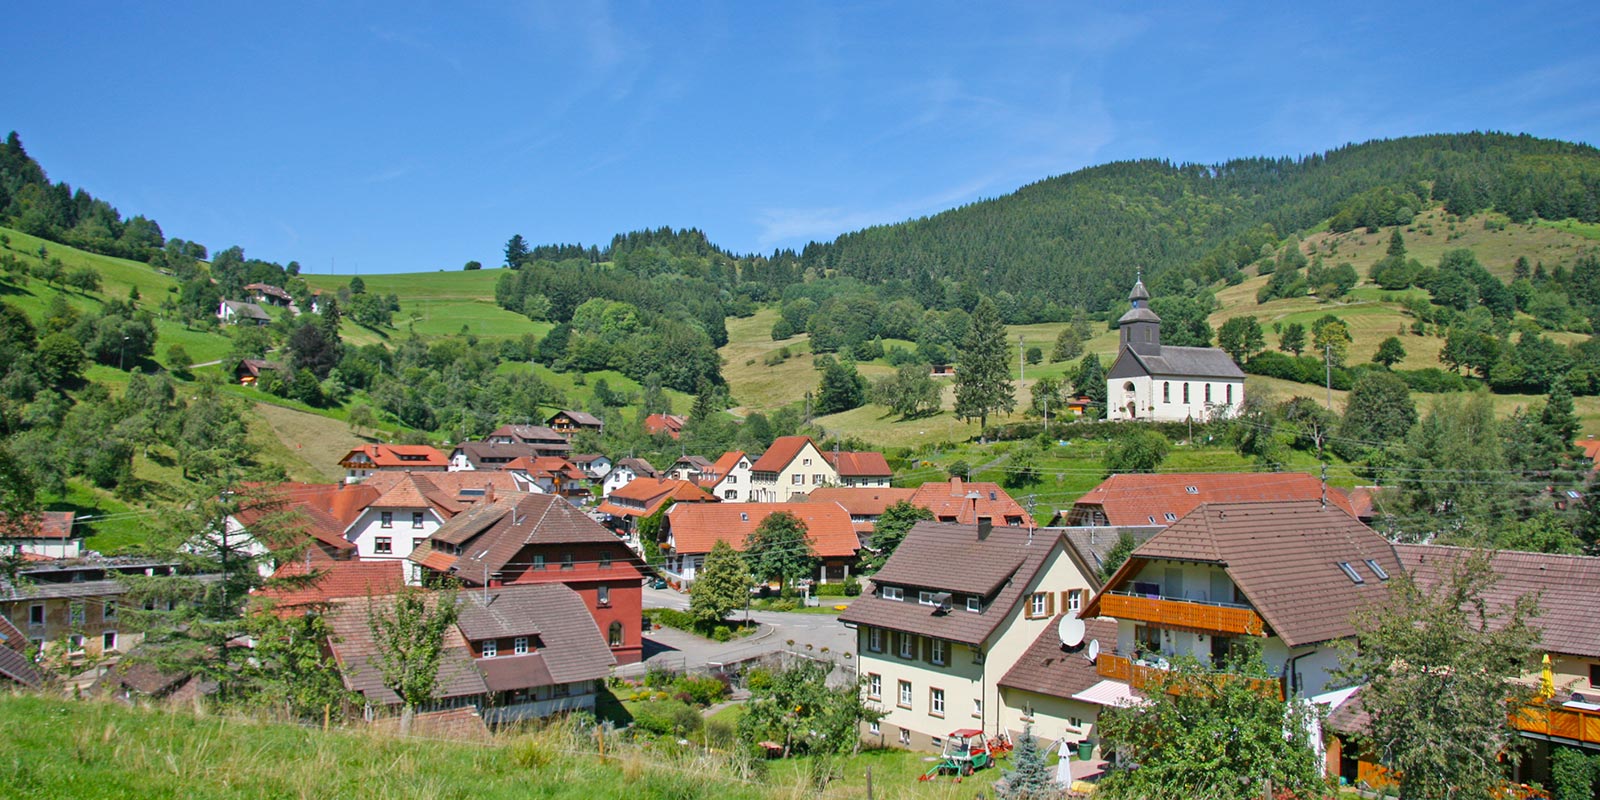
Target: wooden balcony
<point x="1192" y="614"/>
<point x="1139" y="676"/>
<point x="1558" y="722"/>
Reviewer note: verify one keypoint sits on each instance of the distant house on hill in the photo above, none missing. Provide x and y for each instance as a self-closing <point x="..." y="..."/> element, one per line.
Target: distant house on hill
<point x="688" y="468"/>
<point x="568" y="423"/>
<point x="50" y="535"/>
<point x="468" y="456"/>
<point x="594" y="465"/>
<point x="248" y="371"/>
<point x="370" y="459"/>
<point x="669" y="424"/>
<point x="268" y="294"/>
<point x="1165" y="383"/>
<point x="543" y="439"/>
<point x="236" y="312"/>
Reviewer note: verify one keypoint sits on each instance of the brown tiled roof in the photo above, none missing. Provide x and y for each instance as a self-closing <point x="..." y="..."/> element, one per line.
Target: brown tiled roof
<point x="1094" y="544"/>
<point x="463" y="723"/>
<point x="583" y="418"/>
<point x="652" y="492"/>
<point x="547" y="465"/>
<point x="569" y="640"/>
<point x="511" y="672"/>
<point x="333" y="580"/>
<point x="861" y="501"/>
<point x="1565" y="586"/>
<point x="491" y="535"/>
<point x="949" y="557"/>
<point x="1146" y="499"/>
<point x="1350" y="717"/>
<point x="669" y="424"/>
<point x="1284" y="557"/>
<point x="543" y="437"/>
<point x="695" y="527"/>
<point x="476" y="452"/>
<point x="14" y="662"/>
<point x="354" y="649"/>
<point x="783" y="450"/>
<point x="399" y="456"/>
<point x="859" y="465"/>
<point x="1050" y="668"/>
<point x="949" y="499"/>
<point x="11" y="636"/>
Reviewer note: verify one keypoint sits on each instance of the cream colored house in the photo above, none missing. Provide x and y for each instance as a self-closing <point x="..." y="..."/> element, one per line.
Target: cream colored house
<point x="950" y="614"/>
<point x="790" y="468"/>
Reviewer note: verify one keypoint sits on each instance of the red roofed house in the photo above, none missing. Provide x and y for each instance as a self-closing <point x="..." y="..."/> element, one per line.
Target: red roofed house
<point x="550" y="475"/>
<point x="626" y="471"/>
<point x="1162" y="499"/>
<point x="863" y="504"/>
<point x="728" y="478"/>
<point x="643" y="497"/>
<point x="410" y="507"/>
<point x="320" y="512"/>
<point x="568" y="423"/>
<point x="970" y="503"/>
<point x="860" y="469"/>
<point x="50" y="536"/>
<point x="368" y="459"/>
<point x="269" y="294"/>
<point x="330" y="581"/>
<point x="792" y="466"/>
<point x="669" y="424"/>
<point x="1591" y="451"/>
<point x="692" y="529"/>
<point x="536" y="538"/>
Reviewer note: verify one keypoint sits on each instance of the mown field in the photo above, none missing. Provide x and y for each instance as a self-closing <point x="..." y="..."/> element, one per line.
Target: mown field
<point x="94" y="750"/>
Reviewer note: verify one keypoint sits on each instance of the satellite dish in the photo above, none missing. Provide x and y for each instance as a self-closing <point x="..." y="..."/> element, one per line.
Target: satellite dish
<point x="1071" y="631"/>
<point x="1094" y="650"/>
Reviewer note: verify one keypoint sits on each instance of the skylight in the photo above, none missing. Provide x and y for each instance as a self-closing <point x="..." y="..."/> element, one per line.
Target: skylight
<point x="1192" y="489"/>
<point x="1351" y="573"/>
<point x="1382" y="573"/>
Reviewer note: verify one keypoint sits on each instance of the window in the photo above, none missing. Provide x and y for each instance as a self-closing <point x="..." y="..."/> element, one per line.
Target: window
<point x="416" y="541"/>
<point x="75" y="642"/>
<point x="977" y="655"/>
<point x="1170" y="517"/>
<point x="1186" y="393"/>
<point x="874" y="685"/>
<point x="905" y="736"/>
<point x="615" y="635"/>
<point x="108" y="611"/>
<point x="1208" y="394"/>
<point x="77" y="613"/>
<point x="805" y="462"/>
<point x="1075" y="600"/>
<point x="1147" y="639"/>
<point x="1040" y="605"/>
<point x="538" y="561"/>
<point x="1350" y="572"/>
<point x="605" y="561"/>
<point x="491" y="648"/>
<point x="874" y="729"/>
<point x="1166" y="391"/>
<point x="798" y="480"/>
<point x="566" y="561"/>
<point x="1229" y="394"/>
<point x="975" y="604"/>
<point x="908" y="645"/>
<point x="1594" y="674"/>
<point x="416" y="519"/>
<point x="1075" y="722"/>
<point x="383" y="545"/>
<point x="1191" y="489"/>
<point x="875" y="640"/>
<point x="602" y="595"/>
<point x="893" y="593"/>
<point x="925" y="598"/>
<point x="386" y="519"/>
<point x="905" y="694"/>
<point x="1377" y="570"/>
<point x="108" y="640"/>
<point x="936" y="651"/>
<point x="977" y="707"/>
<point x="519" y="645"/>
<point x="36" y="615"/>
<point x="935" y="702"/>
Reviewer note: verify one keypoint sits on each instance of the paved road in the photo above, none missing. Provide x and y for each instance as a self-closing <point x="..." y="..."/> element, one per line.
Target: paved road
<point x="678" y="649"/>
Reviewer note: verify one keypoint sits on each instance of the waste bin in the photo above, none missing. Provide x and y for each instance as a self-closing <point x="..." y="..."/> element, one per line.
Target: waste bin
<point x="1085" y="751"/>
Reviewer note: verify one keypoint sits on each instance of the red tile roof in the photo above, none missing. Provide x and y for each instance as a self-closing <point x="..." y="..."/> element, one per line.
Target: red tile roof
<point x="695" y="528"/>
<point x="670" y="424"/>
<point x="553" y="466"/>
<point x="651" y="493"/>
<point x="714" y="474"/>
<point x="398" y="456"/>
<point x="1147" y="499"/>
<point x="1591" y="450"/>
<point x="949" y="499"/>
<point x="783" y="450"/>
<point x="322" y="510"/>
<point x="859" y="465"/>
<point x="333" y="580"/>
<point x="861" y="501"/>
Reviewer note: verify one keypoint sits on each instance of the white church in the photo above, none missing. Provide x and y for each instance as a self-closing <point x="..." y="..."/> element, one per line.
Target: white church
<point x="1149" y="381"/>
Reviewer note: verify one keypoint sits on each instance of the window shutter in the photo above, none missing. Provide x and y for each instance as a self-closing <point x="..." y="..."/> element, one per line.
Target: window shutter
<point x="1064" y="602"/>
<point x="1050" y="605"/>
<point x="927" y="650"/>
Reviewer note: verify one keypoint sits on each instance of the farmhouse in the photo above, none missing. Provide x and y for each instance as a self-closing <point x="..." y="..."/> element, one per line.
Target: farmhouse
<point x="544" y="440"/>
<point x="692" y="530"/>
<point x="790" y="468"/>
<point x="729" y="478"/>
<point x="1164" y="383"/>
<point x="669" y="424"/>
<point x="567" y="422"/>
<point x="237" y="312"/>
<point x="369" y="459"/>
<point x="50" y="535"/>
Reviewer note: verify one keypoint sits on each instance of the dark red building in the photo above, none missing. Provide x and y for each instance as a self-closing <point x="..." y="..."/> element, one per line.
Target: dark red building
<point x="539" y="538"/>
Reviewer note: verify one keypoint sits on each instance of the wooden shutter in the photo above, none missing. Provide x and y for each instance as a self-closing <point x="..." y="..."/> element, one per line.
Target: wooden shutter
<point x="1065" y="604"/>
<point x="1049" y="605"/>
<point x="927" y="649"/>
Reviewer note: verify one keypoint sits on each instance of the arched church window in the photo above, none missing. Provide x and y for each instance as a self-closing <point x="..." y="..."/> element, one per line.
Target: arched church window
<point x="1166" y="391"/>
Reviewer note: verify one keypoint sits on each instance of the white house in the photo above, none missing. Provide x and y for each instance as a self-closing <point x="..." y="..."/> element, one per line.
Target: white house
<point x="624" y="473"/>
<point x="728" y="478"/>
<point x="1165" y="383"/>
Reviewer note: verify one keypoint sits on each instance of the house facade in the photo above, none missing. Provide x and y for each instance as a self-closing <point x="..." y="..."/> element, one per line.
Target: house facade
<point x="865" y="469"/>
<point x="643" y="497"/>
<point x="411" y="506"/>
<point x="692" y="529"/>
<point x="74" y="608"/>
<point x="370" y="459"/>
<point x="488" y="455"/>
<point x="52" y="535"/>
<point x="535" y="539"/>
<point x="545" y="441"/>
<point x="790" y="468"/>
<point x="625" y="471"/>
<point x="688" y="468"/>
<point x="729" y="478"/>
<point x="594" y="465"/>
<point x="235" y="312"/>
<point x="948" y="616"/>
<point x="1165" y="383"/>
<point x="569" y="423"/>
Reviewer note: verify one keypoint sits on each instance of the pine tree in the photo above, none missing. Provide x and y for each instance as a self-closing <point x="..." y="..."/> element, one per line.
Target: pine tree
<point x="517" y="252"/>
<point x="1090" y="381"/>
<point x="1033" y="777"/>
<point x="983" y="375"/>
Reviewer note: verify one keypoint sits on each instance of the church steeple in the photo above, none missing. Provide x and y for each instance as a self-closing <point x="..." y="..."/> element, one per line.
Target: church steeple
<point x="1140" y="327"/>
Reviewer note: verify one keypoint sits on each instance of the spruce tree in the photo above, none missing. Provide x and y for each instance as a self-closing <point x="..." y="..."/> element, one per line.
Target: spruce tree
<point x="983" y="376"/>
<point x="1033" y="776"/>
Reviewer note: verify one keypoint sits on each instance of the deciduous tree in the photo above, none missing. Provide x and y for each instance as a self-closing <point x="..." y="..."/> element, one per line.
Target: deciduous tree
<point x="1390" y="352"/>
<point x="408" y="632"/>
<point x="890" y="530"/>
<point x="722" y="584"/>
<point x="1241" y="337"/>
<point x="779" y="549"/>
<point x="1137" y="451"/>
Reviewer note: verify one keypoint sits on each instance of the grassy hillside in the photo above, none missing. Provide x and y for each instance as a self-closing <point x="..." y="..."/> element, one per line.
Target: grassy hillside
<point x="92" y="750"/>
<point x="437" y="304"/>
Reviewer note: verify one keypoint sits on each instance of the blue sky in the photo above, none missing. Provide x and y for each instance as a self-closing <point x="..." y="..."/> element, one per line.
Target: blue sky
<point x="399" y="136"/>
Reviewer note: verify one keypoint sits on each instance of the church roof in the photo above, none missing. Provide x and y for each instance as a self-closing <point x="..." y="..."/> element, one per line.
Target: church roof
<point x="1185" y="362"/>
<point x="1139" y="292"/>
<point x="1139" y="315"/>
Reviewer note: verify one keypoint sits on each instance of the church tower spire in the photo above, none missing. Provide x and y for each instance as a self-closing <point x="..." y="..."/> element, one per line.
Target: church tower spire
<point x="1140" y="327"/>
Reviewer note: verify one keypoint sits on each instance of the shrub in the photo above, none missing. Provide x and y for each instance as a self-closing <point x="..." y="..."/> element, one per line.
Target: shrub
<point x="759" y="678"/>
<point x="830" y="590"/>
<point x="783" y="605"/>
<point x="667" y="718"/>
<point x="852" y="587"/>
<point x="703" y="689"/>
<point x="658" y="678"/>
<point x="721" y="633"/>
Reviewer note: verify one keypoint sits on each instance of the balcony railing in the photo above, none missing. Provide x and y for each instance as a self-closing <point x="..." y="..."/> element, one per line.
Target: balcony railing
<point x="1139" y="676"/>
<point x="1558" y="722"/>
<point x="1173" y="612"/>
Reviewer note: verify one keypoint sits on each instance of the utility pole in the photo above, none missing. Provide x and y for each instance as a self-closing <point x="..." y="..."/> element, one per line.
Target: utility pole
<point x="1022" y="361"/>
<point x="1327" y="372"/>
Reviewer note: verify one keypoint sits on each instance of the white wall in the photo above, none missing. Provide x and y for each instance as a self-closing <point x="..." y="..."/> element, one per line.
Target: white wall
<point x="1147" y="395"/>
<point x="364" y="532"/>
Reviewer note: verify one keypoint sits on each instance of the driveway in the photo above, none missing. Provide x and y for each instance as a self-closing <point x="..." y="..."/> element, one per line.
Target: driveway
<point x="677" y="649"/>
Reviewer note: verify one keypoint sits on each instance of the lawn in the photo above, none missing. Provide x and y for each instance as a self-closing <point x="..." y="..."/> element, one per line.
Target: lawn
<point x="113" y="526"/>
<point x="436" y="304"/>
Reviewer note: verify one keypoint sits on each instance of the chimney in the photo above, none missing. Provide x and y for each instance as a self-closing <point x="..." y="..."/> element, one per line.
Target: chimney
<point x="955" y="487"/>
<point x="985" y="525"/>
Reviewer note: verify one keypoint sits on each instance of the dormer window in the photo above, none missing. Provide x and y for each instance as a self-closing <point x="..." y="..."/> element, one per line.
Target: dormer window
<point x="975" y="604"/>
<point x="1192" y="489"/>
<point x="1377" y="570"/>
<point x="491" y="648"/>
<point x="925" y="598"/>
<point x="893" y="593"/>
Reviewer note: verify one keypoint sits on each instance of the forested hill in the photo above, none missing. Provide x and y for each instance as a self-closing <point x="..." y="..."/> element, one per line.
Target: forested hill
<point x="1079" y="238"/>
